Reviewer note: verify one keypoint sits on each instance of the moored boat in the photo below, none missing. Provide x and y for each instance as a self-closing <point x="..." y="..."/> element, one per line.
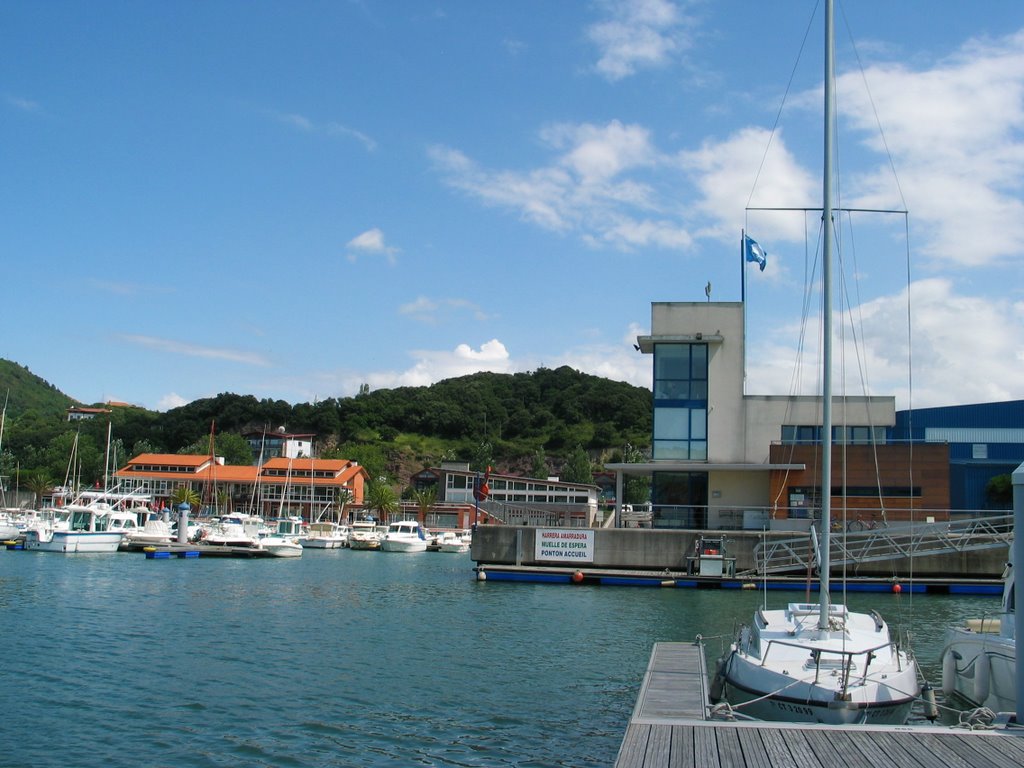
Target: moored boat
<point x="404" y="536"/>
<point x="364" y="535"/>
<point x="979" y="660"/>
<point x="86" y="530"/>
<point x="819" y="662"/>
<point x="325" y="535"/>
<point x="235" y="530"/>
<point x="284" y="541"/>
<point x="452" y="542"/>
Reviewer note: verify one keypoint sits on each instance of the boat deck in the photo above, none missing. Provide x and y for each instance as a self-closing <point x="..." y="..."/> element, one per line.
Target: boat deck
<point x="669" y="728"/>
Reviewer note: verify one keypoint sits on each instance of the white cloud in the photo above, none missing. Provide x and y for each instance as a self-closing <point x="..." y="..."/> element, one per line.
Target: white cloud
<point x="638" y="34"/>
<point x="618" y="361"/>
<point x="432" y="311"/>
<point x="955" y="133"/>
<point x="195" y="350"/>
<point x="331" y="128"/>
<point x="371" y="241"/>
<point x="966" y="349"/>
<point x="591" y="187"/>
<point x="171" y="400"/>
<point x="725" y="174"/>
<point x="21" y="104"/>
<point x="432" y="366"/>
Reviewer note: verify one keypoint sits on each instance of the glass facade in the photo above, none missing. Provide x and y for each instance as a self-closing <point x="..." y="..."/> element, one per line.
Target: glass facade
<point x="680" y="499"/>
<point x="681" y="402"/>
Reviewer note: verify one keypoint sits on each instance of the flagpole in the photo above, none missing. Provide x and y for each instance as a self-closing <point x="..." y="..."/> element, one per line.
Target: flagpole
<point x="743" y="302"/>
<point x="743" y="271"/>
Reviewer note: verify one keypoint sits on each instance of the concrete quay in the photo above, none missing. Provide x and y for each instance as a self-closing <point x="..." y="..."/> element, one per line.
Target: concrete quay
<point x="645" y="550"/>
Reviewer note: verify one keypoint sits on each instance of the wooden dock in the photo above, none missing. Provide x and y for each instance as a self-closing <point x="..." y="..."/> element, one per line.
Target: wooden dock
<point x="669" y="728"/>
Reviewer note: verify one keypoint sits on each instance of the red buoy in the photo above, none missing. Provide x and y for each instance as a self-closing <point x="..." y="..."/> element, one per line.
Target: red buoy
<point x="577" y="577"/>
<point x="897" y="588"/>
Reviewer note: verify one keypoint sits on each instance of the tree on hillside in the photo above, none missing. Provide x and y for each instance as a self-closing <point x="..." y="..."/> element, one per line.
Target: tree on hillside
<point x="636" y="489"/>
<point x="483" y="456"/>
<point x="368" y="455"/>
<point x="538" y="464"/>
<point x="234" y="448"/>
<point x="578" y="468"/>
<point x="75" y="457"/>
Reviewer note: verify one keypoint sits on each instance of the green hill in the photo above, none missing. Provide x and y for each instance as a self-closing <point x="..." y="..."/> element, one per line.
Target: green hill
<point x="512" y="421"/>
<point x="28" y="392"/>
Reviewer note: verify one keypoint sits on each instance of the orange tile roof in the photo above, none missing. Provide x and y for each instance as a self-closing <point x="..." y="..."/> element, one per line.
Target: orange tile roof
<point x="229" y="473"/>
<point x="299" y="465"/>
<point x="170" y="459"/>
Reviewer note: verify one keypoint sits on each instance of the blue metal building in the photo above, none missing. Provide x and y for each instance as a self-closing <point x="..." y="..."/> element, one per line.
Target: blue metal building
<point x="985" y="440"/>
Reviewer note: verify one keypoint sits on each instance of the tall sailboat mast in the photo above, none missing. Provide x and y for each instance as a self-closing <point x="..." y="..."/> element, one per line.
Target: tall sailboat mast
<point x="826" y="349"/>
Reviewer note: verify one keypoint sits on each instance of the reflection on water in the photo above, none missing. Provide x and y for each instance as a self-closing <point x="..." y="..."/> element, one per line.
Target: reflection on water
<point x="346" y="658"/>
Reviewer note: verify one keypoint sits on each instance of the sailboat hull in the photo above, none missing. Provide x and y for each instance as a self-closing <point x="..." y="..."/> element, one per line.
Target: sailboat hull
<point x="784" y="666"/>
<point x="749" y="690"/>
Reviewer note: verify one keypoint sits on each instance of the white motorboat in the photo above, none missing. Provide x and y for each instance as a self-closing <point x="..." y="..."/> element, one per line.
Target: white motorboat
<point x="452" y="543"/>
<point x="284" y="541"/>
<point x="364" y="535"/>
<point x="155" y="531"/>
<point x="123" y="520"/>
<point x="979" y="660"/>
<point x="235" y="530"/>
<point x="86" y="530"/>
<point x="325" y="535"/>
<point x="818" y="662"/>
<point x="404" y="536"/>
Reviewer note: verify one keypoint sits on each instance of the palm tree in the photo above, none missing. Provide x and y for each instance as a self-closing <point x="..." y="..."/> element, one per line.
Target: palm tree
<point x="382" y="499"/>
<point x="425" y="499"/>
<point x="40" y="484"/>
<point x="184" y="494"/>
<point x="342" y="496"/>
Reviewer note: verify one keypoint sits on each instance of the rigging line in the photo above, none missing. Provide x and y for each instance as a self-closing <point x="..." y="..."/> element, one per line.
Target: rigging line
<point x="817" y="209"/>
<point x="861" y="362"/>
<point x="778" y="114"/>
<point x="874" y="108"/>
<point x="910" y="404"/>
<point x="794" y="385"/>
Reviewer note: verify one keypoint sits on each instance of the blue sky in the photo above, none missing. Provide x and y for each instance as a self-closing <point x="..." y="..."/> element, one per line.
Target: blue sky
<point x="290" y="200"/>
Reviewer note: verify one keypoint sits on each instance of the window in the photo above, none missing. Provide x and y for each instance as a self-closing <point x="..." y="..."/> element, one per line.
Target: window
<point x="681" y="401"/>
<point x="804" y="434"/>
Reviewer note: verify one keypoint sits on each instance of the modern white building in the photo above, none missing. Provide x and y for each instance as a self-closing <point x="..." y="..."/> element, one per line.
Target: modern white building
<point x="713" y="465"/>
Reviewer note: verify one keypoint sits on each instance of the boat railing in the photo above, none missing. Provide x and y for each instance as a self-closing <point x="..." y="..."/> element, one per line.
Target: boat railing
<point x="827" y="659"/>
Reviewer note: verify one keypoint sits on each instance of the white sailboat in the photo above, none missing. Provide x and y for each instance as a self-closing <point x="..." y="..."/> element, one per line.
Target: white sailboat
<point x="820" y="662"/>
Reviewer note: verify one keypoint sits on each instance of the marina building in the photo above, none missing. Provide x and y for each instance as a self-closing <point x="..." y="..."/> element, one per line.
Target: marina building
<point x="279" y="444"/>
<point x="308" y="487"/>
<point x="511" y="499"/>
<point x="723" y="459"/>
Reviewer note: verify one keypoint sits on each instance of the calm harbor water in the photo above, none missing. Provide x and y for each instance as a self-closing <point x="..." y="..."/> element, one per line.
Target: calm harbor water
<point x="344" y="658"/>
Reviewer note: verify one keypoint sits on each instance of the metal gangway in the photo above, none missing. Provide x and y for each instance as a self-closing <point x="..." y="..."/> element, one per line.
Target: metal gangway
<point x="517" y="514"/>
<point x="887" y="542"/>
